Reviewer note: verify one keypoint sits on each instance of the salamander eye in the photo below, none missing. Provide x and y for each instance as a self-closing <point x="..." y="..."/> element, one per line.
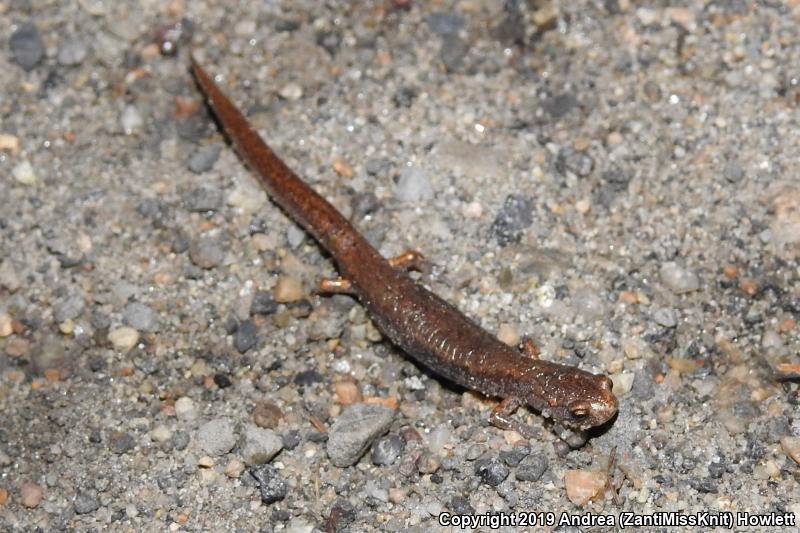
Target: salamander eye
<point x="579" y="409"/>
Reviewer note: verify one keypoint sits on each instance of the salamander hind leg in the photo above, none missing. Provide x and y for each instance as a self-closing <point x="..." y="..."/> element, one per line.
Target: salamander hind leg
<point x="410" y="260"/>
<point x="335" y="286"/>
<point x="501" y="417"/>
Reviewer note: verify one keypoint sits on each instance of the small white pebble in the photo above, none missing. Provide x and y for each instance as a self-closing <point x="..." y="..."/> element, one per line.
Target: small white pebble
<point x="131" y="120"/>
<point x="124" y="338"/>
<point x="24" y="173"/>
<point x="623" y="383"/>
<point x="185" y="409"/>
<point x="291" y="91"/>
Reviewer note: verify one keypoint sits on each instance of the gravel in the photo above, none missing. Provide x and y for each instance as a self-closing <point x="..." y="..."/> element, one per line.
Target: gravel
<point x="616" y="180"/>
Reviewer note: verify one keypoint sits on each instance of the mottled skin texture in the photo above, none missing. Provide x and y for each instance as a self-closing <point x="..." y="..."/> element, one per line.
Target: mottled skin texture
<point x="426" y="327"/>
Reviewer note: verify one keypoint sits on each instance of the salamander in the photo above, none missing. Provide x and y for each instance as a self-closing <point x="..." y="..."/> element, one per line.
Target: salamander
<point x="423" y="325"/>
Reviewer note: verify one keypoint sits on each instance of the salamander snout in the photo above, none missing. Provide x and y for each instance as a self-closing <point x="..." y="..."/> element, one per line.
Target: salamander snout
<point x="581" y="400"/>
<point x="595" y="406"/>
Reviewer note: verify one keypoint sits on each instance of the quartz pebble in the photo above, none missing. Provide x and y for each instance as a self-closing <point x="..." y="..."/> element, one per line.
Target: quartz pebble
<point x="185" y="409"/>
<point x="678" y="279"/>
<point x="131" y="120"/>
<point x="584" y="485"/>
<point x="161" y="433"/>
<point x="24" y="174"/>
<point x="124" y="338"/>
<point x="623" y="383"/>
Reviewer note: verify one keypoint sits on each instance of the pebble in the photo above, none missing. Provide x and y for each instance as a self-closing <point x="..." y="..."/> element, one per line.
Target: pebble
<point x="24" y="174"/>
<point x="217" y="436"/>
<point x="27" y="46"/>
<point x="86" y="502"/>
<point x="588" y="304"/>
<point x="131" y="120"/>
<point x="452" y="53"/>
<point x="68" y="307"/>
<point x="71" y="53"/>
<point x="791" y="445"/>
<point x="295" y="236"/>
<point x="267" y="415"/>
<point x="203" y="200"/>
<point x="491" y="471"/>
<point x="678" y="279"/>
<point x="206" y="462"/>
<point x="508" y="334"/>
<point x="140" y="317"/>
<point x="291" y="91"/>
<point x="259" y="445"/>
<point x="346" y="392"/>
<point x="514" y="217"/>
<point x="186" y="409"/>
<point x="9" y="142"/>
<point x="263" y="303"/>
<point x="9" y="278"/>
<point x="247" y="197"/>
<point x="559" y="105"/>
<point x="203" y="159"/>
<point x="234" y="468"/>
<point x="445" y="22"/>
<point x="387" y="449"/>
<point x="623" y="383"/>
<point x="584" y="485"/>
<point x="665" y="316"/>
<point x="30" y="495"/>
<point x="287" y="289"/>
<point x="6" y="328"/>
<point x="124" y="338"/>
<point x="428" y="463"/>
<point x="439" y="437"/>
<point x="532" y="467"/>
<point x="515" y="456"/>
<point x="272" y="485"/>
<point x="246" y="336"/>
<point x="206" y="253"/>
<point x="413" y="186"/>
<point x="577" y="163"/>
<point x="161" y="433"/>
<point x="355" y="429"/>
<point x="121" y="442"/>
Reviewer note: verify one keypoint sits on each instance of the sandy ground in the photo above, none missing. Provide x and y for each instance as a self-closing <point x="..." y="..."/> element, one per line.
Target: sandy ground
<point x="619" y="182"/>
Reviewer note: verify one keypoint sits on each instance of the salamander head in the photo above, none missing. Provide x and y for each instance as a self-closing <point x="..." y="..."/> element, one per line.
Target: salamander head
<point x="576" y="399"/>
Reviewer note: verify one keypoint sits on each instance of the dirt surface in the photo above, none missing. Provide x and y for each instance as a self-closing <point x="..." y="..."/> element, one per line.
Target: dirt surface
<point x="619" y="182"/>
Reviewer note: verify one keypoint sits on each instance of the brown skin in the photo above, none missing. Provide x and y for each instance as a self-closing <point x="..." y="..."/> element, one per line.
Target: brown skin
<point x="426" y="327"/>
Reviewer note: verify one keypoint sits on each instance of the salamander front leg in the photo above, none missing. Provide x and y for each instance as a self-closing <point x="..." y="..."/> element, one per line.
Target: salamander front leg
<point x="410" y="260"/>
<point x="335" y="286"/>
<point x="501" y="417"/>
<point x="529" y="348"/>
